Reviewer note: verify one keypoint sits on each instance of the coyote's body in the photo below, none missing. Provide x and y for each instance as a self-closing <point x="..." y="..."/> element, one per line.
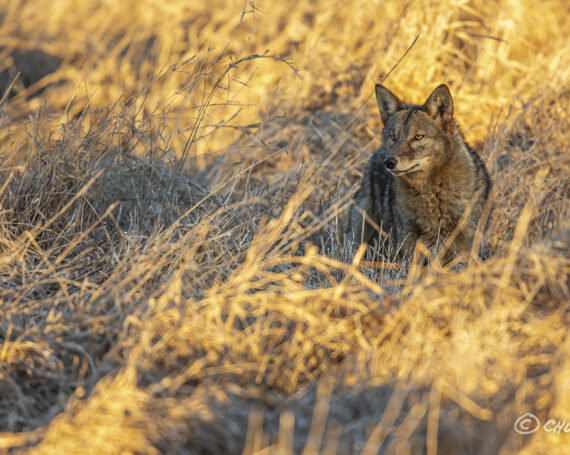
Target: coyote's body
<point x="423" y="181"/>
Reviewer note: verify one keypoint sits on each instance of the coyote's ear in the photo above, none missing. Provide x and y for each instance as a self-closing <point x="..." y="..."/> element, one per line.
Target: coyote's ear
<point x="440" y="105"/>
<point x="388" y="103"/>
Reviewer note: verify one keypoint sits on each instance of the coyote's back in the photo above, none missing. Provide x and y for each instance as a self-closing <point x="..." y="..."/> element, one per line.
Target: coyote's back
<point x="423" y="182"/>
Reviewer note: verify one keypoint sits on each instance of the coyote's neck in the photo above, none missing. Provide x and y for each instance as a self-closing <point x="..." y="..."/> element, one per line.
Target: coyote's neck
<point x="434" y="199"/>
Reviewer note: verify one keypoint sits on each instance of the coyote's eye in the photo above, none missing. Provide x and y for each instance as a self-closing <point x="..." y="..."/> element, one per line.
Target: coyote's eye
<point x="418" y="137"/>
<point x="393" y="136"/>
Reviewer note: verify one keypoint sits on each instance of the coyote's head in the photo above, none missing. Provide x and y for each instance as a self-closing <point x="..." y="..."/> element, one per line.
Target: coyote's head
<point x="416" y="137"/>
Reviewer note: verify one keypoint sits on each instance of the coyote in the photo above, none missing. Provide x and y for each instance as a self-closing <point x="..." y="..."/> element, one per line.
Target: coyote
<point x="422" y="182"/>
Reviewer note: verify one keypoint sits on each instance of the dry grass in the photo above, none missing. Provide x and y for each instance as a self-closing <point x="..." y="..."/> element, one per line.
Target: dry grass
<point x="173" y="183"/>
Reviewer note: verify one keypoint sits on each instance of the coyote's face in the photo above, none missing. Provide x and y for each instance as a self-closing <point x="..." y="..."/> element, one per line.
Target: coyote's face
<point x="416" y="138"/>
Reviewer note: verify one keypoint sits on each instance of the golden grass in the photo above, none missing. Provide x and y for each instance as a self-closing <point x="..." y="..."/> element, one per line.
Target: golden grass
<point x="174" y="182"/>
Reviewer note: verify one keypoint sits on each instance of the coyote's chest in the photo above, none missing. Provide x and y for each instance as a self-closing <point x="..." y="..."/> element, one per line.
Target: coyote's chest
<point x="432" y="213"/>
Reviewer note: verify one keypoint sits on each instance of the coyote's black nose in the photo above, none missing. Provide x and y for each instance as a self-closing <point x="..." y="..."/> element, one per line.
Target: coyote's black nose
<point x="391" y="162"/>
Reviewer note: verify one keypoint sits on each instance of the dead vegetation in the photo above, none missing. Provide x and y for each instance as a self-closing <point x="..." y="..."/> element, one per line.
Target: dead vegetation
<point x="173" y="278"/>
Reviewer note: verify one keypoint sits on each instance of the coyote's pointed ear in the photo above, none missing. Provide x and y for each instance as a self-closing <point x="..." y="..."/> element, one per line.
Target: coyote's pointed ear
<point x="439" y="105"/>
<point x="388" y="103"/>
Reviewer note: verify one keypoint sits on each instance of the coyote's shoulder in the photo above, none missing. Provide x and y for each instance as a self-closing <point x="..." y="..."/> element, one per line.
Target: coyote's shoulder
<point x="424" y="181"/>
